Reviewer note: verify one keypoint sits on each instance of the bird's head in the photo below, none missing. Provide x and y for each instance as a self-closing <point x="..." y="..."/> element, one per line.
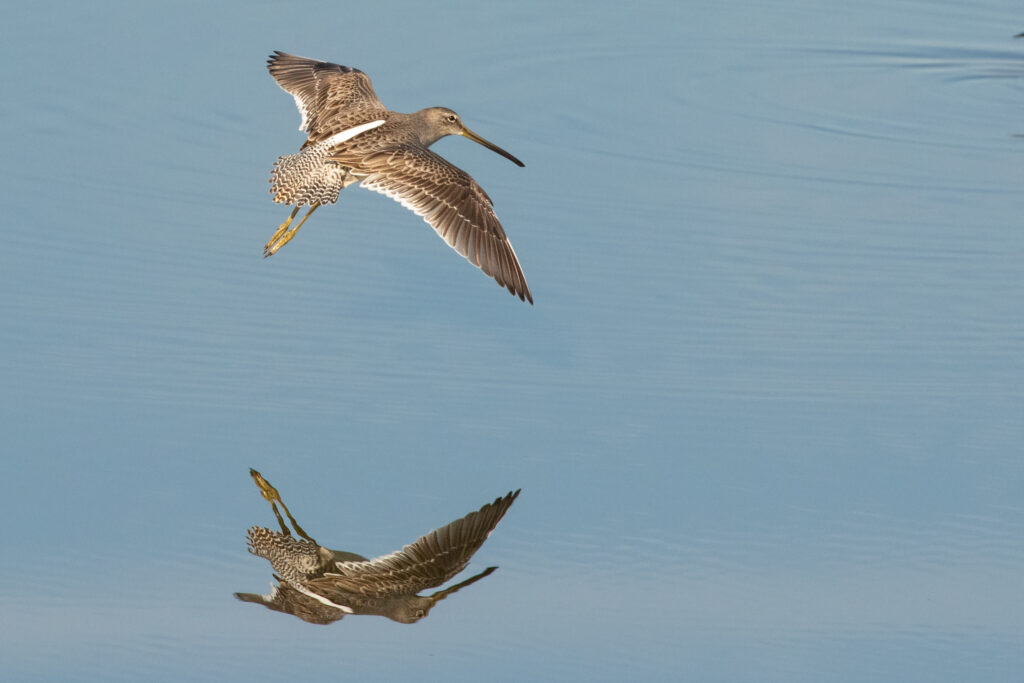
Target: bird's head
<point x="437" y="122"/>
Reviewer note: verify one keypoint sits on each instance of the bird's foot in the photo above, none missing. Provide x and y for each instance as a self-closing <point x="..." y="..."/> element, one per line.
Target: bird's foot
<point x="268" y="491"/>
<point x="270" y="247"/>
<point x="277" y="241"/>
<point x="283" y="235"/>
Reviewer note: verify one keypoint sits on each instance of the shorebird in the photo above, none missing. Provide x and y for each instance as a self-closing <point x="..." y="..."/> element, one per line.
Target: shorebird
<point x="354" y="138"/>
<point x="321" y="586"/>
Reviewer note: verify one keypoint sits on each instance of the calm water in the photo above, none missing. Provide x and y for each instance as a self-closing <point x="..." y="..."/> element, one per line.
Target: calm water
<point x="766" y="413"/>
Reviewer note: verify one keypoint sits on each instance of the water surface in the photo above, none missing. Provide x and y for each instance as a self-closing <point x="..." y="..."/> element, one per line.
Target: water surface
<point x="765" y="413"/>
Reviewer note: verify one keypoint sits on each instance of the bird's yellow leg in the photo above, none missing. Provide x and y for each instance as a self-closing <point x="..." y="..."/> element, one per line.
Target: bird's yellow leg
<point x="282" y="238"/>
<point x="266" y="490"/>
<point x="280" y="231"/>
<point x="271" y="495"/>
<point x="295" y="525"/>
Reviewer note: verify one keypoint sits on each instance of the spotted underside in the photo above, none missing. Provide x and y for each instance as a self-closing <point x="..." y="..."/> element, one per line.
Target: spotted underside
<point x="305" y="178"/>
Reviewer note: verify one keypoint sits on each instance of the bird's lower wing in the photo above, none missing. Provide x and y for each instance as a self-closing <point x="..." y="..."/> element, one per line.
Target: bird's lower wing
<point x="453" y="204"/>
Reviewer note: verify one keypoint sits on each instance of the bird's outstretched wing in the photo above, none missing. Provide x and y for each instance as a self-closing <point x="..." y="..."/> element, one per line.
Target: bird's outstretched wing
<point x="429" y="562"/>
<point x="330" y="97"/>
<point x="452" y="203"/>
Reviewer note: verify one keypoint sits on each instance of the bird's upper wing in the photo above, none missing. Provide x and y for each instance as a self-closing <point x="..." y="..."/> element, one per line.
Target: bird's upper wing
<point x="451" y="202"/>
<point x="330" y="97"/>
<point x="429" y="562"/>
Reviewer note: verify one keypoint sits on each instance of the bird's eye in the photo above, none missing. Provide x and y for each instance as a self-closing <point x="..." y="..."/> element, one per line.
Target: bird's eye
<point x="452" y="118"/>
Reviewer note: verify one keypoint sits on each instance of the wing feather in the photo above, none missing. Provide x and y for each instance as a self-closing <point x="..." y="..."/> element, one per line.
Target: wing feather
<point x="426" y="563"/>
<point x="451" y="202"/>
<point x="330" y="97"/>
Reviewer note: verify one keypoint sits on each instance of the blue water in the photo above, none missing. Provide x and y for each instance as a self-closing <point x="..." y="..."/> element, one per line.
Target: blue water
<point x="766" y="413"/>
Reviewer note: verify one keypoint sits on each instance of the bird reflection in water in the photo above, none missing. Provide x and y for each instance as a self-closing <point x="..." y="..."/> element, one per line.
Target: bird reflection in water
<point x="321" y="586"/>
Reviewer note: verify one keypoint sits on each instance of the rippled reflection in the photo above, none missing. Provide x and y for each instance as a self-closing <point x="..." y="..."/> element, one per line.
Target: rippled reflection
<point x="321" y="586"/>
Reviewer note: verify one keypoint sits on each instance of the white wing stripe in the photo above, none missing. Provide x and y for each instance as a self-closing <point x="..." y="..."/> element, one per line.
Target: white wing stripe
<point x="351" y="132"/>
<point x="319" y="598"/>
<point x="302" y="110"/>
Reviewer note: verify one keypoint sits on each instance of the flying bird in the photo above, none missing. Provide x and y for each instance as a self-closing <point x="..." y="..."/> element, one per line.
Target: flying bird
<point x="353" y="138"/>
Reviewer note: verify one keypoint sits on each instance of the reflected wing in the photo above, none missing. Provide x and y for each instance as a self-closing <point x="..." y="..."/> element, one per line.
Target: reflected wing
<point x="452" y="203"/>
<point x="330" y="97"/>
<point x="284" y="598"/>
<point x="429" y="562"/>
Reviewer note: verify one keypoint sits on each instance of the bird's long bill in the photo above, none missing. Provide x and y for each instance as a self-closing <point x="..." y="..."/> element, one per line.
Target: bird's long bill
<point x="490" y="145"/>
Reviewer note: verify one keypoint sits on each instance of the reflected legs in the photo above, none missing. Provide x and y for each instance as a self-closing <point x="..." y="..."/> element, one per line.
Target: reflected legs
<point x="270" y="494"/>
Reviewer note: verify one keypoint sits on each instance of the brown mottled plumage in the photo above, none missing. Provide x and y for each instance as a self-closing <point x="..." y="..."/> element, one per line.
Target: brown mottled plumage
<point x="354" y="138"/>
<point x="321" y="585"/>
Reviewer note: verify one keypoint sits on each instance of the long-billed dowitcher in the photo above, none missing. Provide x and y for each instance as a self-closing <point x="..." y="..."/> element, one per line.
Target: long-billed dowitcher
<point x="354" y="138"/>
<point x="321" y="586"/>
